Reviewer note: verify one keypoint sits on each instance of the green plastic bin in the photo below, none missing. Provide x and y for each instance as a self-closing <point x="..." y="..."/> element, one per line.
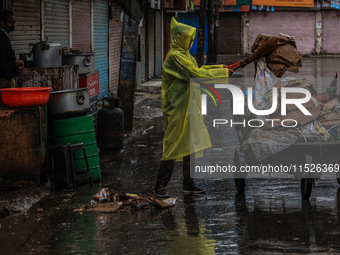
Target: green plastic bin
<point x="77" y="130"/>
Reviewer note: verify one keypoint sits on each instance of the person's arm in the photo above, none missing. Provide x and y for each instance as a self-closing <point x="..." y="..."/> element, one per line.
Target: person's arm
<point x="212" y="66"/>
<point x="184" y="68"/>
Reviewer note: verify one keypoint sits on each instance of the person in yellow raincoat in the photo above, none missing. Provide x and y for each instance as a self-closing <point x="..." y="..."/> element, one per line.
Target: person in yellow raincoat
<point x="179" y="140"/>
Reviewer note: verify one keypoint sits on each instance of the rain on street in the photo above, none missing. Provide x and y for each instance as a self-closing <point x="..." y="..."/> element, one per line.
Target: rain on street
<point x="270" y="217"/>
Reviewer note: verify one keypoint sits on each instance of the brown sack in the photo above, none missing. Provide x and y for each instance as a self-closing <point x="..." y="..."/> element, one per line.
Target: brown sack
<point x="285" y="57"/>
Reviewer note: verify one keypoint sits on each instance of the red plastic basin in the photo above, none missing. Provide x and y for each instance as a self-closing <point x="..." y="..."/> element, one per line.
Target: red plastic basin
<point x="23" y="97"/>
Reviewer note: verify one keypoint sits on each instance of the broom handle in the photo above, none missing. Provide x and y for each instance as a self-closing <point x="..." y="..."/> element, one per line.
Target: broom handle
<point x="255" y="56"/>
<point x="239" y="64"/>
<point x="234" y="65"/>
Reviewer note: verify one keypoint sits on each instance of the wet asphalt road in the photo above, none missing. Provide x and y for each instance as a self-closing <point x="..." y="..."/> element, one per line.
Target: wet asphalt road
<point x="270" y="218"/>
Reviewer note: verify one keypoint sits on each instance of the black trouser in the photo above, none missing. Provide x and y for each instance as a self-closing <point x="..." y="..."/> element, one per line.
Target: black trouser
<point x="166" y="168"/>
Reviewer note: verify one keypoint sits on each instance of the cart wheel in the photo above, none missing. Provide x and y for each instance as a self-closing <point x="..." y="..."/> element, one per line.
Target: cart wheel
<point x="240" y="183"/>
<point x="338" y="177"/>
<point x="306" y="188"/>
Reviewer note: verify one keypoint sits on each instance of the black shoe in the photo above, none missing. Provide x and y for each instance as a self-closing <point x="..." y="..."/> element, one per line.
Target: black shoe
<point x="193" y="189"/>
<point x="161" y="192"/>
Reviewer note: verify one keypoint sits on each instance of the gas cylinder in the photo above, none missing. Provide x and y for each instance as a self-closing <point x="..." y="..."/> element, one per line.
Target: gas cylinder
<point x="110" y="125"/>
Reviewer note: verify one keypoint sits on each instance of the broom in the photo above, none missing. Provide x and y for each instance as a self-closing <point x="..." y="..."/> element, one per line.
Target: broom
<point x="262" y="51"/>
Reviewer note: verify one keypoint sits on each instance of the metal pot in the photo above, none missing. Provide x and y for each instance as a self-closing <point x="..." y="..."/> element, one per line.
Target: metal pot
<point x="85" y="61"/>
<point x="70" y="102"/>
<point x="47" y="54"/>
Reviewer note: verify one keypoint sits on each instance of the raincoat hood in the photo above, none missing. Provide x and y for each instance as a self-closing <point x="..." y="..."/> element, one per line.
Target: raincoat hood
<point x="181" y="35"/>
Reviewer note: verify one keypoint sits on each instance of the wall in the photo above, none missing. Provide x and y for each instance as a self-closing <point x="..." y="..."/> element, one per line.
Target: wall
<point x="300" y="24"/>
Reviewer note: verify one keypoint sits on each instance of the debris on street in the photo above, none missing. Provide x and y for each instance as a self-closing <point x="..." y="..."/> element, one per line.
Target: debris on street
<point x="111" y="201"/>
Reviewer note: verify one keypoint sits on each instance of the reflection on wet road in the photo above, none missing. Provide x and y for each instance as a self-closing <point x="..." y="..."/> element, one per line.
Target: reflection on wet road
<point x="270" y="218"/>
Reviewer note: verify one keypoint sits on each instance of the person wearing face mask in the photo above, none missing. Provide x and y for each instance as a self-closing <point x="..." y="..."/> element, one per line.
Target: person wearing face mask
<point x="182" y="142"/>
<point x="10" y="66"/>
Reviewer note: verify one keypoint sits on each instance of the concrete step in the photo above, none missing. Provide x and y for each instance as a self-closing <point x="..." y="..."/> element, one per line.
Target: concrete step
<point x="153" y="86"/>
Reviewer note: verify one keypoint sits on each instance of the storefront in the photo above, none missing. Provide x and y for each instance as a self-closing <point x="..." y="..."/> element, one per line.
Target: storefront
<point x="115" y="27"/>
<point x="158" y="43"/>
<point x="229" y="36"/>
<point x="27" y="28"/>
<point x="101" y="45"/>
<point x="150" y="45"/>
<point x="330" y="39"/>
<point x="150" y="49"/>
<point x="300" y="24"/>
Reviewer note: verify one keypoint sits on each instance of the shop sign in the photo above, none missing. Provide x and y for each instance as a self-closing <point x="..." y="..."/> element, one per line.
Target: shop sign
<point x="289" y="3"/>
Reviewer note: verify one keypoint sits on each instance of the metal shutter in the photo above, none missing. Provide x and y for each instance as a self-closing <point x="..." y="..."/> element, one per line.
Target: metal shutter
<point x="101" y="45"/>
<point x="330" y="38"/>
<point x="81" y="25"/>
<point x="56" y="21"/>
<point x="229" y="33"/>
<point x="151" y="44"/>
<point x="115" y="46"/>
<point x="143" y="53"/>
<point x="27" y="30"/>
<point x="158" y="43"/>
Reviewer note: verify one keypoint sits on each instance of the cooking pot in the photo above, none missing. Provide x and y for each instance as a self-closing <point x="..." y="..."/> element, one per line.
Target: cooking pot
<point x="70" y="102"/>
<point x="85" y="61"/>
<point x="46" y="54"/>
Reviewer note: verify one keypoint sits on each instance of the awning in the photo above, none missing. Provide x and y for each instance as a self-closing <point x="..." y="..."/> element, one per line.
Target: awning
<point x="290" y="3"/>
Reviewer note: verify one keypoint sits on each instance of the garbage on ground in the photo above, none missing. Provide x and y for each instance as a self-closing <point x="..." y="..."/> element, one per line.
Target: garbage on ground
<point x="265" y="143"/>
<point x="330" y="92"/>
<point x="112" y="201"/>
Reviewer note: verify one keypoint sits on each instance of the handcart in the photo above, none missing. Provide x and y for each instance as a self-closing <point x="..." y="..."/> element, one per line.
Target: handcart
<point x="306" y="160"/>
<point x="301" y="156"/>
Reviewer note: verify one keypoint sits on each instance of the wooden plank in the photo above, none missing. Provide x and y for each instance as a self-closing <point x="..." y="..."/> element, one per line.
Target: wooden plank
<point x="106" y="207"/>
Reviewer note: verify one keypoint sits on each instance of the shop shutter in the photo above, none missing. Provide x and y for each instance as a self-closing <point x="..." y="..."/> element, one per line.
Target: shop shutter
<point x="330" y="39"/>
<point x="101" y="44"/>
<point x="166" y="33"/>
<point x="229" y="33"/>
<point x="151" y="44"/>
<point x="56" y="21"/>
<point x="27" y="30"/>
<point x="303" y="27"/>
<point x="143" y="51"/>
<point x="158" y="43"/>
<point x="81" y="25"/>
<point x="115" y="46"/>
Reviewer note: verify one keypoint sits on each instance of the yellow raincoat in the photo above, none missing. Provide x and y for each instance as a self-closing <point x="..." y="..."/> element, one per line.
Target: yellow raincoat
<point x="179" y="66"/>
